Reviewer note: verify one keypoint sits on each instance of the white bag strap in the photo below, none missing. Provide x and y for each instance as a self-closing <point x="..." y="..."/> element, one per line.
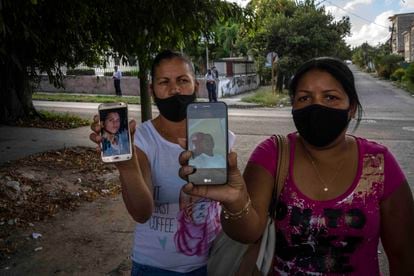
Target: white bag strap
<point x="267" y="244"/>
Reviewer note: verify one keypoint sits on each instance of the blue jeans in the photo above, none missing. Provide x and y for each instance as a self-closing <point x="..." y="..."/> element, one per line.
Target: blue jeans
<point x="211" y="89"/>
<point x="145" y="270"/>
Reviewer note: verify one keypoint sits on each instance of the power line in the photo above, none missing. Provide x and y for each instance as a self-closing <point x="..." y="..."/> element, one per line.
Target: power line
<point x="370" y="21"/>
<point x="320" y="2"/>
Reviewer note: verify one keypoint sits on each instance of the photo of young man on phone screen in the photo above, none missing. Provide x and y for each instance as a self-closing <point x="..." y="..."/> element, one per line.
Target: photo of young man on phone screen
<point x="114" y="134"/>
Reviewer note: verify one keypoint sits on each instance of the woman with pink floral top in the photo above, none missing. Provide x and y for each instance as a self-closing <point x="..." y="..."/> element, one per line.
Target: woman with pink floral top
<point x="343" y="193"/>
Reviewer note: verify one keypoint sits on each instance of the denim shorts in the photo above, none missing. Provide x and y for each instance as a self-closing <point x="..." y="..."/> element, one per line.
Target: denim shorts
<point x="145" y="270"/>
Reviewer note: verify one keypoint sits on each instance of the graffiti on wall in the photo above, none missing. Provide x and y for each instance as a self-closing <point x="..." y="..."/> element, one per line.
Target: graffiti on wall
<point x="237" y="84"/>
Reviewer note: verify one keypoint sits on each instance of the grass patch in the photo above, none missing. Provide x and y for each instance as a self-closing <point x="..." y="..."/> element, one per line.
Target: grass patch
<point x="409" y="86"/>
<point x="265" y="97"/>
<point x="64" y="97"/>
<point x="53" y="120"/>
<point x="406" y="85"/>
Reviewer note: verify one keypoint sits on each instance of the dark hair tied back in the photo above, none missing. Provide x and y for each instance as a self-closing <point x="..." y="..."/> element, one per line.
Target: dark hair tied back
<point x="167" y="55"/>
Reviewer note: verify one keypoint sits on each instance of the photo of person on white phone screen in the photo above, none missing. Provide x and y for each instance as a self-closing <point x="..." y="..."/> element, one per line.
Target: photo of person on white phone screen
<point x="202" y="145"/>
<point x="114" y="135"/>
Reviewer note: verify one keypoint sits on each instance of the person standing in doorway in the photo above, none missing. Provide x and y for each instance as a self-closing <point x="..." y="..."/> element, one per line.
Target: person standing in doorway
<point x="117" y="75"/>
<point x="211" y="86"/>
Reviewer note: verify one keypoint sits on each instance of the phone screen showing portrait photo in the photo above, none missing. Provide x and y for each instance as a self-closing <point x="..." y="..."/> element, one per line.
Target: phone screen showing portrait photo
<point x="115" y="132"/>
<point x="207" y="140"/>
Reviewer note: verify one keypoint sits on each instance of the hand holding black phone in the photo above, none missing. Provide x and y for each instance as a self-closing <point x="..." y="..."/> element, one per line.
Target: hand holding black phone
<point x="207" y="139"/>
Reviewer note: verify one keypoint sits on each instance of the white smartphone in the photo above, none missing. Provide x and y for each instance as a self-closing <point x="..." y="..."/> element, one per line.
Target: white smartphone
<point x="207" y="138"/>
<point x="116" y="138"/>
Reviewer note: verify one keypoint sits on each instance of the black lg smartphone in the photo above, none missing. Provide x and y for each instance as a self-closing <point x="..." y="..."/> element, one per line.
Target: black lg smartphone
<point x="207" y="130"/>
<point x="116" y="139"/>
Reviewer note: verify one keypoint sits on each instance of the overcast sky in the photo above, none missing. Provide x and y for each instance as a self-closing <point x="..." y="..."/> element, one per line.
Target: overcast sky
<point x="369" y="18"/>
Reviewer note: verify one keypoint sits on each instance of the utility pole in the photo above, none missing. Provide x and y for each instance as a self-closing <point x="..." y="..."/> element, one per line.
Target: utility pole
<point x="274" y="76"/>
<point x="206" y="55"/>
<point x="273" y="60"/>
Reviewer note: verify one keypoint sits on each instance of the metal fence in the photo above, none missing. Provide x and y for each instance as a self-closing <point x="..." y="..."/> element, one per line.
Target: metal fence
<point x="99" y="71"/>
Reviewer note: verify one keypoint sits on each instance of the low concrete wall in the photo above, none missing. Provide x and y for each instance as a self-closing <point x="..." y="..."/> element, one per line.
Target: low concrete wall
<point x="91" y="85"/>
<point x="227" y="86"/>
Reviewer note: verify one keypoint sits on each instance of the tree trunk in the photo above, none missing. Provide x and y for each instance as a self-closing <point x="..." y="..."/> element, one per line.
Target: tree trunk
<point x="15" y="94"/>
<point x="280" y="82"/>
<point x="146" y="112"/>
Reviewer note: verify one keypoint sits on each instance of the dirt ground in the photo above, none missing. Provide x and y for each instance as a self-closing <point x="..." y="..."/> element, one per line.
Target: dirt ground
<point x="61" y="213"/>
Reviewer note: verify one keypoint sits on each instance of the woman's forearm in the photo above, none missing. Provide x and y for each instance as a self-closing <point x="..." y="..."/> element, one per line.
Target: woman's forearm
<point x="135" y="191"/>
<point x="245" y="227"/>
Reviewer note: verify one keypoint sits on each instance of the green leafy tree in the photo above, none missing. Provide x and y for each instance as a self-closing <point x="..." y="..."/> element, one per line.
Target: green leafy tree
<point x="227" y="40"/>
<point x="364" y="55"/>
<point x="150" y="25"/>
<point x="297" y="31"/>
<point x="196" y="50"/>
<point x="378" y="58"/>
<point x="43" y="35"/>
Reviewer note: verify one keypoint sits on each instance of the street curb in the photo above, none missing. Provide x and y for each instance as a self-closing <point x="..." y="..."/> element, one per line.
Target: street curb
<point x="245" y="106"/>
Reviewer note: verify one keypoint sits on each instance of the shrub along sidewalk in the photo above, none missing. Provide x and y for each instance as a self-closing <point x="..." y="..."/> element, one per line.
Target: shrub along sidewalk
<point x="66" y="97"/>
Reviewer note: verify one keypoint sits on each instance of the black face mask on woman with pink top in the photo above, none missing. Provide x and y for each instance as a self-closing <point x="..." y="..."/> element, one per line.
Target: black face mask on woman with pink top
<point x="320" y="125"/>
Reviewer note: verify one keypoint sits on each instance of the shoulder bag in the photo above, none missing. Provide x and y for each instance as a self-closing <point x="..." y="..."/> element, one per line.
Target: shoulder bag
<point x="230" y="257"/>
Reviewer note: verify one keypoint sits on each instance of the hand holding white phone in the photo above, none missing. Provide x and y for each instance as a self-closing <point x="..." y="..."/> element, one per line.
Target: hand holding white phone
<point x="116" y="143"/>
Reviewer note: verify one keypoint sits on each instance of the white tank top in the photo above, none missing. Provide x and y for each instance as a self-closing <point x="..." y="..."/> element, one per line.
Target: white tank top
<point x="181" y="229"/>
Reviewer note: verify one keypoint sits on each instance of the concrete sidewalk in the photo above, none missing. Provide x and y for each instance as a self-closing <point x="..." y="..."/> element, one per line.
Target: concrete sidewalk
<point x="19" y="142"/>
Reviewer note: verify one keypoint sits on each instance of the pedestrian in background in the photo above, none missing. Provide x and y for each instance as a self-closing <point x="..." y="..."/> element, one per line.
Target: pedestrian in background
<point x="211" y="86"/>
<point x="117" y="75"/>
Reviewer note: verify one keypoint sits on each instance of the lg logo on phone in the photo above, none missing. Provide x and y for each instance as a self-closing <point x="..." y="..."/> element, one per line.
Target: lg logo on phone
<point x="207" y="180"/>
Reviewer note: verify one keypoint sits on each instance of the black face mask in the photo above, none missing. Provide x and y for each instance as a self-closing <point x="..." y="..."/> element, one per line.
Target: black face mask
<point x="320" y="125"/>
<point x="174" y="108"/>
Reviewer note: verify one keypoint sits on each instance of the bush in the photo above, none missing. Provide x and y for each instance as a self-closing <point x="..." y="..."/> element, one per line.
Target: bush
<point x="265" y="97"/>
<point x="388" y="64"/>
<point x="398" y="74"/>
<point x="133" y="73"/>
<point x="80" y="72"/>
<point x="409" y="72"/>
<point x="382" y="72"/>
